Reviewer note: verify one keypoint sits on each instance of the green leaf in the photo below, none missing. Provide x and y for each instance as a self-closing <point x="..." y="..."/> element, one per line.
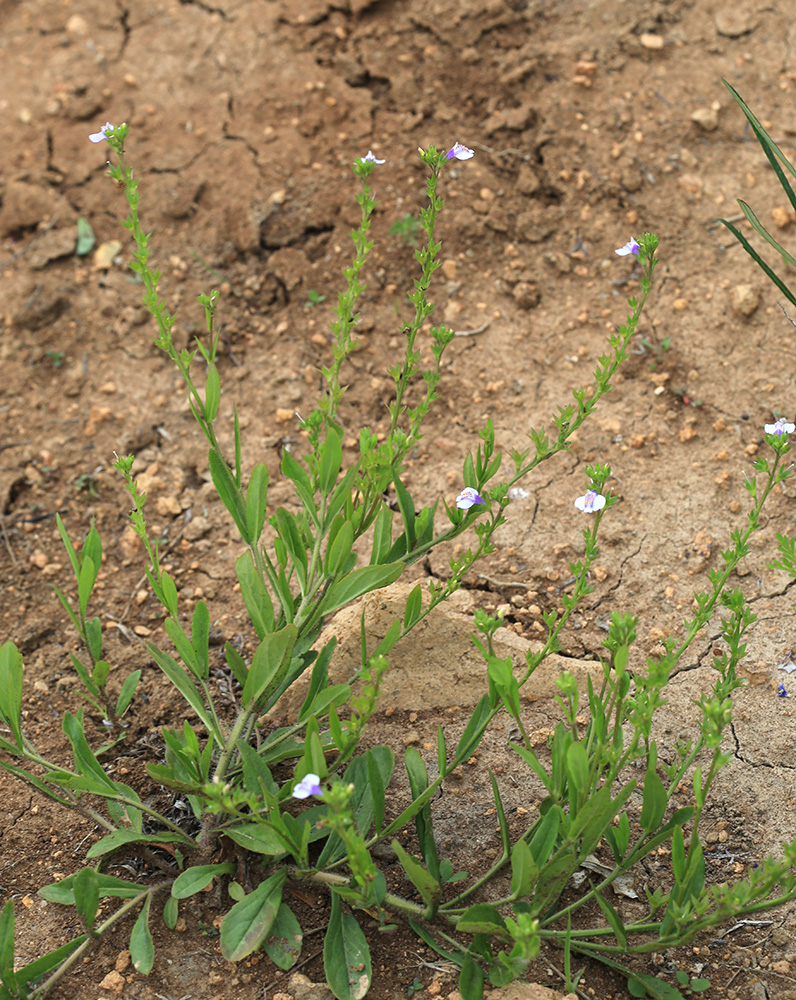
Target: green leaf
<point x="85" y="583"/>
<point x="543" y="840"/>
<point x="180" y="679"/>
<point x="70" y="549"/>
<point x="339" y="546"/>
<point x="86" y="890"/>
<point x="100" y="673"/>
<point x="535" y="764"/>
<point x="642" y="985"/>
<point x="249" y="922"/>
<point x="382" y="536"/>
<point x="423" y="881"/>
<point x="7" y="947"/>
<point x="119" y="838"/>
<point x="193" y="880"/>
<point x="283" y="945"/>
<point x="258" y="837"/>
<point x="473" y="732"/>
<point x="414" y="606"/>
<point x="255" y="595"/>
<point x="376" y="783"/>
<point x="359" y="582"/>
<point x="200" y="638"/>
<point x="678" y="854"/>
<point x="229" y="492"/>
<point x="38" y="969"/>
<point x="85" y="761"/>
<point x="85" y="237"/>
<point x="481" y="919"/>
<point x="505" y="836"/>
<point x="127" y="692"/>
<point x="577" y="765"/>
<point x="346" y="956"/>
<point x="330" y="461"/>
<point x="654" y="803"/>
<point x="295" y="472"/>
<point x="618" y="838"/>
<point x="755" y="223"/>
<point x="63" y="891"/>
<point x="142" y="948"/>
<point x="257" y="777"/>
<point x="171" y="912"/>
<point x="471" y="979"/>
<point x="287" y="525"/>
<point x="212" y="392"/>
<point x="418" y="783"/>
<point x="11" y="689"/>
<point x="614" y="920"/>
<point x="166" y="591"/>
<point x="524" y="870"/>
<point x="407" y="509"/>
<point x="257" y="501"/>
<point x="270" y="661"/>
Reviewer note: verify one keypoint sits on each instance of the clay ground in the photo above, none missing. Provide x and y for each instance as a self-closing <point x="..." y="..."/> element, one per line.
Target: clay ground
<point x="591" y="122"/>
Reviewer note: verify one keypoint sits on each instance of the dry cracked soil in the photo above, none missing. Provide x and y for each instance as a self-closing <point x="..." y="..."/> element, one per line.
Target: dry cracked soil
<point x="591" y="121"/>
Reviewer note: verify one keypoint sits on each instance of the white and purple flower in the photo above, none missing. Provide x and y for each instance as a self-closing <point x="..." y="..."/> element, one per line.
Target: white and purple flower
<point x="632" y="246"/>
<point x="309" y="785"/>
<point x="591" y="502"/>
<point x="102" y="134"/>
<point x="467" y="498"/>
<point x="459" y="152"/>
<point x="780" y="427"/>
<point x="371" y="158"/>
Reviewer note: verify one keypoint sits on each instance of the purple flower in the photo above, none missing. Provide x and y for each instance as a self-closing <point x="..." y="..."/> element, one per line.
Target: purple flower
<point x="459" y="152"/>
<point x="309" y="785"/>
<point x="632" y="246"/>
<point x="102" y="134"/>
<point x="780" y="427"/>
<point x="371" y="158"/>
<point x="781" y="692"/>
<point x="467" y="498"/>
<point x="591" y="502"/>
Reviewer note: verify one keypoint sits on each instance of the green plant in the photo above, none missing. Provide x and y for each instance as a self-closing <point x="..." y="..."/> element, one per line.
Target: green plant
<point x="408" y="227"/>
<point x="313" y="299"/>
<point x="242" y="782"/>
<point x="778" y="160"/>
<point x="56" y="358"/>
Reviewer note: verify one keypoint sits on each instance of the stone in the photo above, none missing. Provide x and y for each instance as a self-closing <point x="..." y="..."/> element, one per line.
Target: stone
<point x="526" y="296"/>
<point x="735" y="19"/>
<point x="707" y="118"/>
<point x="744" y="299"/>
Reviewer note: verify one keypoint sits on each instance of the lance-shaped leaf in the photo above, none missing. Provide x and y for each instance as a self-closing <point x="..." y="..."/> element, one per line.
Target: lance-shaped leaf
<point x="269" y="663"/>
<point x="142" y="948"/>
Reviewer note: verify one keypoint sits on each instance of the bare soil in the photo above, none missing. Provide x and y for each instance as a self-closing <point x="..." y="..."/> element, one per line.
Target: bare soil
<point x="590" y="123"/>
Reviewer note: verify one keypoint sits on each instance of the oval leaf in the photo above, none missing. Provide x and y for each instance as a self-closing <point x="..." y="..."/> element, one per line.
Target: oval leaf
<point x="249" y="922"/>
<point x="346" y="957"/>
<point x="283" y="946"/>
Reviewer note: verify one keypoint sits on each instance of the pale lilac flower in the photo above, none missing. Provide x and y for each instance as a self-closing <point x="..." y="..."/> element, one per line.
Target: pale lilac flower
<point x="467" y="498"/>
<point x="780" y="427"/>
<point x="632" y="246"/>
<point x="459" y="152"/>
<point x="371" y="158"/>
<point x="591" y="502"/>
<point x="99" y="136"/>
<point x="309" y="785"/>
